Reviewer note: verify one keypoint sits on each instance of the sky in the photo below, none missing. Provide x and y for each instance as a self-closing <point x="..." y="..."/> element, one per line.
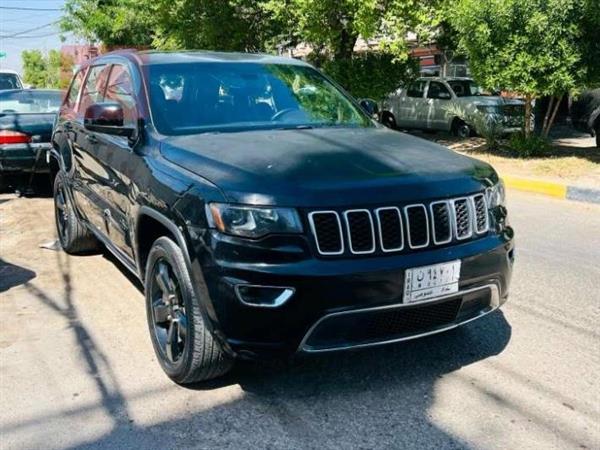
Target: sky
<point x="14" y="21"/>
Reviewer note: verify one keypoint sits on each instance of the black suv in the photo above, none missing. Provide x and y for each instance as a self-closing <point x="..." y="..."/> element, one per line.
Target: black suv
<point x="267" y="214"/>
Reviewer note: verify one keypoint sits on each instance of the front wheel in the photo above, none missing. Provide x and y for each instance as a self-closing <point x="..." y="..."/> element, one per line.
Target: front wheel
<point x="389" y="120"/>
<point x="186" y="349"/>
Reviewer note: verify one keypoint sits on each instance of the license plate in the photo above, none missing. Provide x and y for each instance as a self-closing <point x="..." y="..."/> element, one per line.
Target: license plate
<point x="429" y="282"/>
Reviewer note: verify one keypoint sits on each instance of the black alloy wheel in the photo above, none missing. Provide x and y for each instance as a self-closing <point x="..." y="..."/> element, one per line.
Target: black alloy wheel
<point x="171" y="325"/>
<point x="61" y="211"/>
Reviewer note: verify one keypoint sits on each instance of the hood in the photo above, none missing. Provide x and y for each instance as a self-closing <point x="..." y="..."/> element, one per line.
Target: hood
<point x="490" y="100"/>
<point x="327" y="166"/>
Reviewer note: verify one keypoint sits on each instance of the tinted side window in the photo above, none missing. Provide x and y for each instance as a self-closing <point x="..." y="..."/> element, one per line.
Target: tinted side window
<point x="71" y="98"/>
<point x="120" y="90"/>
<point x="416" y="89"/>
<point x="438" y="90"/>
<point x="93" y="92"/>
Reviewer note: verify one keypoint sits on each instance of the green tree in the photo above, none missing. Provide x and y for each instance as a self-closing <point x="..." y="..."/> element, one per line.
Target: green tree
<point x="115" y="23"/>
<point x="531" y="47"/>
<point x="35" y="68"/>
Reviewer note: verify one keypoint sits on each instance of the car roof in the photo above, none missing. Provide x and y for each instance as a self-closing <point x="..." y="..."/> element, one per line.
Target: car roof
<point x="447" y="78"/>
<point x="151" y="57"/>
<point x="12" y="72"/>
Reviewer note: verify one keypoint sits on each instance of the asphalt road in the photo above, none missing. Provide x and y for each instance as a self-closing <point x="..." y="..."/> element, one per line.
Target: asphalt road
<point x="78" y="371"/>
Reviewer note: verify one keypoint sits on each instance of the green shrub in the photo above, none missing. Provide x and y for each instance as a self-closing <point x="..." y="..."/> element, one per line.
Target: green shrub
<point x="371" y="74"/>
<point x="529" y="146"/>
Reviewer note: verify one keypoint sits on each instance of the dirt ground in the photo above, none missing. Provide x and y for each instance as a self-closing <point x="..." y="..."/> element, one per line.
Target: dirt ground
<point x="77" y="369"/>
<point x="573" y="160"/>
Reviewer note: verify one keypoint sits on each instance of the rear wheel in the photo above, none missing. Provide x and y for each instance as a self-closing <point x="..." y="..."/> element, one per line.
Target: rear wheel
<point x="186" y="349"/>
<point x="74" y="237"/>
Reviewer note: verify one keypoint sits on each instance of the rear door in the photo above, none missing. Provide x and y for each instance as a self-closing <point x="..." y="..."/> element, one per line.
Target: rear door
<point x="438" y="100"/>
<point x="411" y="105"/>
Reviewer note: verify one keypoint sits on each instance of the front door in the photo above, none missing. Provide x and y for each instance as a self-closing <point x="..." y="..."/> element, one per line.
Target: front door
<point x="438" y="100"/>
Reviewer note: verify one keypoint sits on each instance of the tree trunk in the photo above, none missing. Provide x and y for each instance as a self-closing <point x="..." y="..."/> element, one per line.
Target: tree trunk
<point x="548" y="111"/>
<point x="345" y="45"/>
<point x="527" y="128"/>
<point x="553" y="116"/>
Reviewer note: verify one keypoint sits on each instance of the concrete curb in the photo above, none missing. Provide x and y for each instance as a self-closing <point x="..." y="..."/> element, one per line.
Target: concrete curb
<point x="580" y="194"/>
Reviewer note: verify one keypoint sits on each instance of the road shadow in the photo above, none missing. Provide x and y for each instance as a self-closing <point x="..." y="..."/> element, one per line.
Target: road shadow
<point x="12" y="275"/>
<point x="376" y="398"/>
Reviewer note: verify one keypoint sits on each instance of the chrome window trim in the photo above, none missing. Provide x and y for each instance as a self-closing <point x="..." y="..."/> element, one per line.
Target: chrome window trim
<point x="455" y="221"/>
<point x="314" y="231"/>
<point x="446" y="203"/>
<point x="362" y="252"/>
<point x="486" y="210"/>
<point x="390" y="208"/>
<point x="495" y="303"/>
<point x="406" y="208"/>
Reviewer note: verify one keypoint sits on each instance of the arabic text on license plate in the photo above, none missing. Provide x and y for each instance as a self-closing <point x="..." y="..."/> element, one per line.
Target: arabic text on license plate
<point x="427" y="282"/>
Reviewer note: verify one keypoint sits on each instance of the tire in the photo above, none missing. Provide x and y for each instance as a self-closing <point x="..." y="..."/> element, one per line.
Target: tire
<point x="389" y="120"/>
<point x="74" y="237"/>
<point x="597" y="132"/>
<point x="461" y="129"/>
<point x="185" y="348"/>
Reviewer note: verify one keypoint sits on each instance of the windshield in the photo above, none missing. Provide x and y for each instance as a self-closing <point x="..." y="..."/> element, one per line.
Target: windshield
<point x="219" y="97"/>
<point x="30" y="102"/>
<point x="9" y="81"/>
<point x="466" y="88"/>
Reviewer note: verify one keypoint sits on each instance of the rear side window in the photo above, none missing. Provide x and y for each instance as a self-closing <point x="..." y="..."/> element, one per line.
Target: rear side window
<point x="120" y="90"/>
<point x="416" y="89"/>
<point x="95" y="84"/>
<point x="9" y="81"/>
<point x="71" y="99"/>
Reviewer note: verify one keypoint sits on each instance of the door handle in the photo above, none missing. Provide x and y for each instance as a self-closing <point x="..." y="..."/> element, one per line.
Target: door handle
<point x="91" y="138"/>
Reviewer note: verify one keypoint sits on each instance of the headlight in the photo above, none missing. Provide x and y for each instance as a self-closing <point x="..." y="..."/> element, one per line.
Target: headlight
<point x="496" y="195"/>
<point x="488" y="109"/>
<point x="253" y="221"/>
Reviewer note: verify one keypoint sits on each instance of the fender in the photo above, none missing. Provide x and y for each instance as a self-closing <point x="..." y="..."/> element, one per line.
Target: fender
<point x="170" y="225"/>
<point x="207" y="309"/>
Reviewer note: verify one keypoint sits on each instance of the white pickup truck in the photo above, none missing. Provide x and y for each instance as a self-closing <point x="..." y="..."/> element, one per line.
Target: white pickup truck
<point x="424" y="105"/>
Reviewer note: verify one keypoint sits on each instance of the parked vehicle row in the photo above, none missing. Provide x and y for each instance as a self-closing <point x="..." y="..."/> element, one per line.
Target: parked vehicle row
<point x="26" y="121"/>
<point x="585" y="113"/>
<point x="425" y="104"/>
<point x="266" y="214"/>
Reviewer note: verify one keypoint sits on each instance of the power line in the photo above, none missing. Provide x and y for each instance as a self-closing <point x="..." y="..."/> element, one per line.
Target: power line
<point x="33" y="36"/>
<point x="20" y="8"/>
<point x="29" y="30"/>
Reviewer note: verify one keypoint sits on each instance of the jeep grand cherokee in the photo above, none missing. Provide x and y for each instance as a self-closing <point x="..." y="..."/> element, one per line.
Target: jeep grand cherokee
<point x="267" y="214"/>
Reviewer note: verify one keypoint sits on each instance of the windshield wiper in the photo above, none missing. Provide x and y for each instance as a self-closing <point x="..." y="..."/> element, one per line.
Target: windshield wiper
<point x="297" y="127"/>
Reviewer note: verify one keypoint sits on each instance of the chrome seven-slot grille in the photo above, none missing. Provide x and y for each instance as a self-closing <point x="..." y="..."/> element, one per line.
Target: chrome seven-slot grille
<point x="393" y="229"/>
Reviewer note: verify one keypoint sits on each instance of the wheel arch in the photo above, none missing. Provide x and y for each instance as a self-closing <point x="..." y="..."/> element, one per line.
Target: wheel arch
<point x="150" y="225"/>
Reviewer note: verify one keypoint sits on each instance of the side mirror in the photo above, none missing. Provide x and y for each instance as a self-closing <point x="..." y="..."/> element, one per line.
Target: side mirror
<point x="444" y="96"/>
<point x="106" y="118"/>
<point x="370" y="106"/>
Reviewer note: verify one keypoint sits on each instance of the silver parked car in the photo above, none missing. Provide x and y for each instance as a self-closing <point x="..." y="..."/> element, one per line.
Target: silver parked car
<point x="424" y="105"/>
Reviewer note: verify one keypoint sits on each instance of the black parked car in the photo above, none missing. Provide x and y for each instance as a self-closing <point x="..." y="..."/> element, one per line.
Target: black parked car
<point x="26" y="121"/>
<point x="585" y="113"/>
<point x="267" y="214"/>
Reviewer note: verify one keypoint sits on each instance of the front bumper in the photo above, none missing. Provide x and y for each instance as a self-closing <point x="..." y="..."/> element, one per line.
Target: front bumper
<point x="19" y="158"/>
<point x="354" y="288"/>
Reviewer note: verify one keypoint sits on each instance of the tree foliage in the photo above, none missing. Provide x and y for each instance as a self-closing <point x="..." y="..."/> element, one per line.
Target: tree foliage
<point x="46" y="71"/>
<point x="531" y="47"/>
<point x="330" y="27"/>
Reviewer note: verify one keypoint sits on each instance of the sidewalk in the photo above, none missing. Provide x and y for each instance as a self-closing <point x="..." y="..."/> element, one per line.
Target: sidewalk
<point x="571" y="171"/>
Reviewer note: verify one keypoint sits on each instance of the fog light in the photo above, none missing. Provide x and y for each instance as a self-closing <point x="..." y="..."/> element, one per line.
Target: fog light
<point x="263" y="296"/>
